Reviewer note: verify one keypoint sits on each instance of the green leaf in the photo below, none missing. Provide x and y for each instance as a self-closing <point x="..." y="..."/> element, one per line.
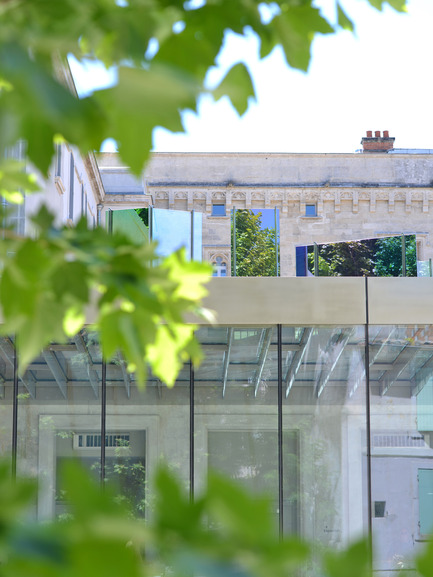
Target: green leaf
<point x="167" y="354"/>
<point x="354" y="561"/>
<point x="54" y="109"/>
<point x="73" y="320"/>
<point x="43" y="219"/>
<point x="399" y="5"/>
<point x="295" y="28"/>
<point x="70" y="282"/>
<point x="343" y="20"/>
<point x="238" y="86"/>
<point x="424" y="561"/>
<point x="142" y="100"/>
<point x="14" y="181"/>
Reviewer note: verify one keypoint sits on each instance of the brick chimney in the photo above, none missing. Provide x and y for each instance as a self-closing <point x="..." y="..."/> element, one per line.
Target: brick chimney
<point x="377" y="143"/>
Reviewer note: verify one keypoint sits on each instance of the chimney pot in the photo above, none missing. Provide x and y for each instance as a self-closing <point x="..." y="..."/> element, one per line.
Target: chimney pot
<point x="377" y="143"/>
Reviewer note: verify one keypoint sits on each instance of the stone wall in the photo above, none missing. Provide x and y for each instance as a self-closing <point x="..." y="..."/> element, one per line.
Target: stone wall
<point x="355" y="195"/>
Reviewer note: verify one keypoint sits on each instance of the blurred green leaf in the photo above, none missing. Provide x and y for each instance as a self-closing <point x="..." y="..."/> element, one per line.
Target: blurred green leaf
<point x="238" y="86"/>
<point x="343" y="20"/>
<point x="354" y="561"/>
<point x="399" y="5"/>
<point x="14" y="181"/>
<point x="142" y="100"/>
<point x="47" y="283"/>
<point x="54" y="109"/>
<point x="295" y="27"/>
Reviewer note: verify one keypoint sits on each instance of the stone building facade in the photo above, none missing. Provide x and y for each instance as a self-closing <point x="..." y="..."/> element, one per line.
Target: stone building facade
<point x="321" y="198"/>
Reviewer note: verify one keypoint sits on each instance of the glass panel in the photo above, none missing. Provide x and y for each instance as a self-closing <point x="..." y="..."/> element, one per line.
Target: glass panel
<point x="59" y="417"/>
<point x="401" y="377"/>
<point x="198" y="236"/>
<point x="6" y="395"/>
<point x="386" y="256"/>
<point x="152" y="424"/>
<point x="257" y="242"/>
<point x="172" y="230"/>
<point x="324" y="449"/>
<point x="129" y="223"/>
<point x="236" y="408"/>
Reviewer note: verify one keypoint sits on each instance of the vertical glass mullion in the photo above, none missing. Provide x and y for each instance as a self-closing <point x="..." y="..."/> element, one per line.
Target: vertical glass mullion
<point x="191" y="431"/>
<point x="103" y="418"/>
<point x="15" y="416"/>
<point x="367" y="411"/>
<point x="280" y="430"/>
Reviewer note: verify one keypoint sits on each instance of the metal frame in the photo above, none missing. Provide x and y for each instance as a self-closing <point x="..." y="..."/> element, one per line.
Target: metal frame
<point x="408" y="302"/>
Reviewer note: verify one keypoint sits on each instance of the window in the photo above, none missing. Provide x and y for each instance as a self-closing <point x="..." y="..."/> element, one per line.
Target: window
<point x="310" y="210"/>
<point x="218" y="210"/>
<point x="219" y="267"/>
<point x="379" y="509"/>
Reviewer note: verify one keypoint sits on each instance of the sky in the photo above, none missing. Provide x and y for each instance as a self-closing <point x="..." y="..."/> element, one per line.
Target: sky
<point x="376" y="79"/>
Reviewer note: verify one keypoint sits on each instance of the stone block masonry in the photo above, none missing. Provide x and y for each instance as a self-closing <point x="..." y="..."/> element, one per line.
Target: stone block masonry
<point x="355" y="196"/>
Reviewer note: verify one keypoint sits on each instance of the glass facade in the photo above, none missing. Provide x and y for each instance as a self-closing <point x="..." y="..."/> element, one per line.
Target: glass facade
<point x="333" y="421"/>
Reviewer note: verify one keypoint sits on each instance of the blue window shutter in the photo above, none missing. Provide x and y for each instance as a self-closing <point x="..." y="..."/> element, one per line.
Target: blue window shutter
<point x="301" y="261"/>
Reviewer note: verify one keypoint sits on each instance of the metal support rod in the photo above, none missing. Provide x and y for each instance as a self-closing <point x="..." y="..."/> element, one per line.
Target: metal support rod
<point x="91" y="372"/>
<point x="267" y="337"/>
<point x="192" y="236"/>
<point x="99" y="208"/>
<point x="15" y="417"/>
<point x="234" y="240"/>
<point x="191" y="431"/>
<point x="150" y="217"/>
<point x="58" y="374"/>
<point x="367" y="414"/>
<point x="403" y="255"/>
<point x="276" y="241"/>
<point x="316" y="260"/>
<point x="103" y="420"/>
<point x="280" y="432"/>
<point x="110" y="221"/>
<point x="226" y="362"/>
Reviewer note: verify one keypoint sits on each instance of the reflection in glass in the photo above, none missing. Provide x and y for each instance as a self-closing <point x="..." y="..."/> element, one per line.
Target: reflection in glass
<point x="152" y="425"/>
<point x="59" y="399"/>
<point x="235" y="427"/>
<point x="236" y="403"/>
<point x="387" y="256"/>
<point x="6" y="395"/>
<point x="401" y="376"/>
<point x="324" y="402"/>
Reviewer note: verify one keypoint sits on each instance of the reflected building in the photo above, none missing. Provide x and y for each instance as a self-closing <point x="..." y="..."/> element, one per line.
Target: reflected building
<point x="315" y="391"/>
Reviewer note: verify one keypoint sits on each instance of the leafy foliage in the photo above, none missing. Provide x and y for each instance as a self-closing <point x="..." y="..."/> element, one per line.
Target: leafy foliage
<point x="163" y="50"/>
<point x="388" y="259"/>
<point x="255" y="247"/>
<point x="373" y="257"/>
<point x="224" y="532"/>
<point x="139" y="304"/>
<point x="353" y="258"/>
